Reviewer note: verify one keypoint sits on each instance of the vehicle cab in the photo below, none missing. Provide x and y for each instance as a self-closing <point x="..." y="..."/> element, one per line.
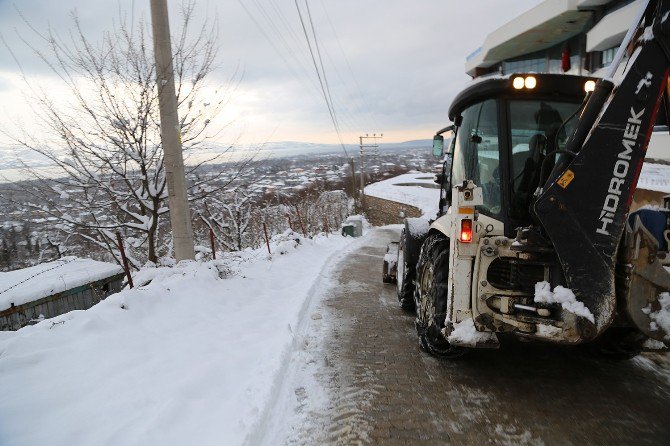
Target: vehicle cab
<point x="504" y="128"/>
<point x="508" y="133"/>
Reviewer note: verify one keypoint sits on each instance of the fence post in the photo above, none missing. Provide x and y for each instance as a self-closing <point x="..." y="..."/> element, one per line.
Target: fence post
<point x="124" y="258"/>
<point x="325" y="223"/>
<point x="211" y="241"/>
<point x="267" y="240"/>
<point x="302" y="228"/>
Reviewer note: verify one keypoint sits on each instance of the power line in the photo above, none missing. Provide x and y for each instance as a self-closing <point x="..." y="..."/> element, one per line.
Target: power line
<point x="318" y="52"/>
<point x="316" y="68"/>
<point x="278" y="51"/>
<point x="272" y="21"/>
<point x="359" y="90"/>
<point x="348" y="120"/>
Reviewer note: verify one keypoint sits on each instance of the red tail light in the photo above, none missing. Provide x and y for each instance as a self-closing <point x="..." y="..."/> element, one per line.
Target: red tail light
<point x="466" y="230"/>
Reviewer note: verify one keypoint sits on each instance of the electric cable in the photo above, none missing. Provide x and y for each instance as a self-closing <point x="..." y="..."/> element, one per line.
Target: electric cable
<point x="316" y="68"/>
<point x="357" y="85"/>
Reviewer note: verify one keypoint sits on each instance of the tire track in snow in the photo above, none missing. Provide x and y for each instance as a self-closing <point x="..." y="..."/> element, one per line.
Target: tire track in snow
<point x="287" y="396"/>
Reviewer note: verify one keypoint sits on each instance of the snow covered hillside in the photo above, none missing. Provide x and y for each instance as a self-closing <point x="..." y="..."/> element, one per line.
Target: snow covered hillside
<point x="191" y="358"/>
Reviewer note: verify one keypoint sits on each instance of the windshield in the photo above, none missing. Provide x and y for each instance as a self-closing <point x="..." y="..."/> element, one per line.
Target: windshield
<point x="535" y="131"/>
<point x="476" y="154"/>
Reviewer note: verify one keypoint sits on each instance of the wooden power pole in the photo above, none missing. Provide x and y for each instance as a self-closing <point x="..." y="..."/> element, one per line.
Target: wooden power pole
<point x="180" y="214"/>
<point x="354" y="190"/>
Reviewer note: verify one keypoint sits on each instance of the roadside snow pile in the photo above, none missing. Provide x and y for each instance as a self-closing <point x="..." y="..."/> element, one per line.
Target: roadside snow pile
<point x="660" y="319"/>
<point x="563" y="296"/>
<point x="190" y="358"/>
<point x="465" y="334"/>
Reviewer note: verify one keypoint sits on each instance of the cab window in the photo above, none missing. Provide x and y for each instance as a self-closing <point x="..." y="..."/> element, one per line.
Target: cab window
<point x="476" y="153"/>
<point x="536" y="130"/>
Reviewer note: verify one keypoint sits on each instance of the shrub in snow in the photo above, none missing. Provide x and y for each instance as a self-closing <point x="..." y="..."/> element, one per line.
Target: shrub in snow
<point x="167" y="261"/>
<point x="286" y="242"/>
<point x="202" y="252"/>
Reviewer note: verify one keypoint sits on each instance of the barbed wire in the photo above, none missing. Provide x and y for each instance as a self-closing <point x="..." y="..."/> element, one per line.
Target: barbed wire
<point x="37" y="274"/>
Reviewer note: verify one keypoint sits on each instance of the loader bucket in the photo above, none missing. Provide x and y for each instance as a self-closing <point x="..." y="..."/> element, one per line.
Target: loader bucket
<point x="647" y="281"/>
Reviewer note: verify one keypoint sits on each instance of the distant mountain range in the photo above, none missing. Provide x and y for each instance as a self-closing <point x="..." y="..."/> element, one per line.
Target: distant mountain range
<point x="12" y="158"/>
<point x="293" y="148"/>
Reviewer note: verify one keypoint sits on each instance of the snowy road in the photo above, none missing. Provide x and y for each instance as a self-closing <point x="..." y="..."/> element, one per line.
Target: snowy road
<point x="358" y="376"/>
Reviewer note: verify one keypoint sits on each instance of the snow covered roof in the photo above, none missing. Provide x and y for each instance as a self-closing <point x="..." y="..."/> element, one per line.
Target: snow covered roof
<point x="415" y="189"/>
<point x="28" y="284"/>
<point x="655" y="177"/>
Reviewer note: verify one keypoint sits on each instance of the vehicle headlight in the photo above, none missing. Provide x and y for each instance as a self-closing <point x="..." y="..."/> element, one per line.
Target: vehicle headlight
<point x="530" y="82"/>
<point x="589" y="86"/>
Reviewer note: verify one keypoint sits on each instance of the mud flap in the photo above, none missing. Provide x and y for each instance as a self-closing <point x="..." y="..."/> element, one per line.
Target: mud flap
<point x="648" y="279"/>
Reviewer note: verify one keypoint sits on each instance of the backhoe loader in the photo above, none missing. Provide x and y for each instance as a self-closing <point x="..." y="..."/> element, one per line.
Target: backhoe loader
<point x="534" y="237"/>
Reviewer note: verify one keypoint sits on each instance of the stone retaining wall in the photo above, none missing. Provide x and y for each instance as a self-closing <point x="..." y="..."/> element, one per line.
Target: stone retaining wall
<point x="381" y="212"/>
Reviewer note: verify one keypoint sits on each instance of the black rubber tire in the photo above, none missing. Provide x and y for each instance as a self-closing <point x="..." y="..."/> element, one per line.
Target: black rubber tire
<point x="404" y="275"/>
<point x="617" y="344"/>
<point x="431" y="297"/>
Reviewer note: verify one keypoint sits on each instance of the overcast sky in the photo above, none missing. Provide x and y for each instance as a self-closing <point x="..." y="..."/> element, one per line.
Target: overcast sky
<point x="393" y="65"/>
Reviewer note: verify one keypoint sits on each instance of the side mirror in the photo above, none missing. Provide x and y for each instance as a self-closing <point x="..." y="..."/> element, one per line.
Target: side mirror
<point x="438" y="146"/>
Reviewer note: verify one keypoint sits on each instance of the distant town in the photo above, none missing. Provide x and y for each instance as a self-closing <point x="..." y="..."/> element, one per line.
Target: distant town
<point x="31" y="234"/>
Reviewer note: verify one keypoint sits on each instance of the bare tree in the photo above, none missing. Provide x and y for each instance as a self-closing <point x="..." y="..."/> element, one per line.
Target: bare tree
<point x="230" y="217"/>
<point x="104" y="139"/>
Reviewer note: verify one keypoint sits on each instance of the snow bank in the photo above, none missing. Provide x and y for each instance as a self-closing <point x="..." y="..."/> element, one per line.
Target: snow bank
<point x="415" y="189"/>
<point x="29" y="284"/>
<point x="190" y="358"/>
<point x="563" y="296"/>
<point x="660" y="319"/>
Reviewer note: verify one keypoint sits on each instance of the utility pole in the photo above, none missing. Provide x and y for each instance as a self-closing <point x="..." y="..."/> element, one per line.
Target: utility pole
<point x="374" y="152"/>
<point x="180" y="214"/>
<point x="354" y="191"/>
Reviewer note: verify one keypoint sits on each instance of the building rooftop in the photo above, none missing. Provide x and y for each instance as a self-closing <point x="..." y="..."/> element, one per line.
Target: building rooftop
<point x="46" y="279"/>
<point x="547" y="24"/>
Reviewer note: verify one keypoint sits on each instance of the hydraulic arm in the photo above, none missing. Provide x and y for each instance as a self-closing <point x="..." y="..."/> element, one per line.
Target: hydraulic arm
<point x="583" y="206"/>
